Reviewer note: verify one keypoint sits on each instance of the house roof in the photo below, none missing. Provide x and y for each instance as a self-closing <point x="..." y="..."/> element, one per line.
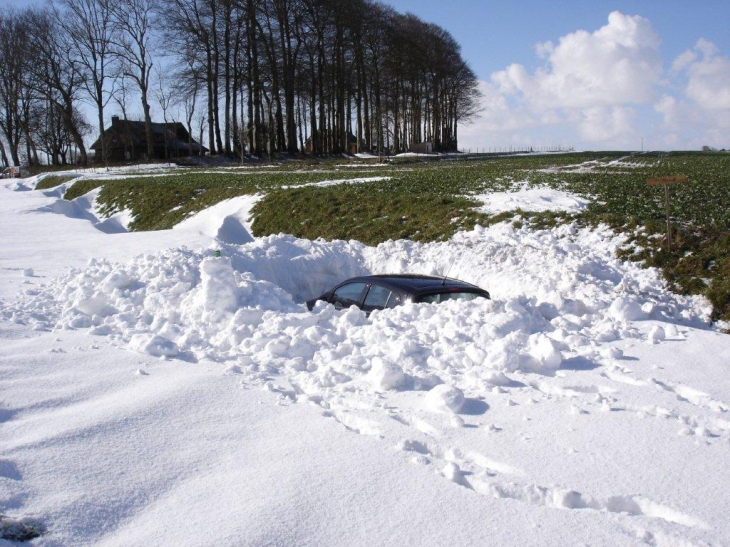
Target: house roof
<point x="351" y="138"/>
<point x="130" y="132"/>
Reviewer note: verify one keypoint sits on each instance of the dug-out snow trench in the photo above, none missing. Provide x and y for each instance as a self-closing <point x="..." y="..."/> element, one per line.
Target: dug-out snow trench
<point x="558" y="295"/>
<point x="304" y="269"/>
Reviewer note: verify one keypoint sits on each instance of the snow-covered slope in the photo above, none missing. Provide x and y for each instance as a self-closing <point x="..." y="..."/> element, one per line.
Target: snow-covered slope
<point x="154" y="394"/>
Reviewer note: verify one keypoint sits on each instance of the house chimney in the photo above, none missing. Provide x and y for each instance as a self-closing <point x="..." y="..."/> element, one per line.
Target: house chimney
<point x="115" y="120"/>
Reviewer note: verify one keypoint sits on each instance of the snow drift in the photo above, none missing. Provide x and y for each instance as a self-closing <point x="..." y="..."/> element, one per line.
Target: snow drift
<point x="559" y="296"/>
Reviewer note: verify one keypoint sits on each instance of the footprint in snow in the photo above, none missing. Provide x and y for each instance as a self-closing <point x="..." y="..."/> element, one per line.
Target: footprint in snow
<point x="354" y="423"/>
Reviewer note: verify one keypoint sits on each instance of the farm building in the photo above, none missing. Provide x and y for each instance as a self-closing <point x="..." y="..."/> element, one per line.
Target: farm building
<point x="352" y="147"/>
<point x="421" y="148"/>
<point x="127" y="141"/>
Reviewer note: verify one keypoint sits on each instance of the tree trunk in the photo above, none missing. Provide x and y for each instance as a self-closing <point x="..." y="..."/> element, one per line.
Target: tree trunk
<point x="148" y="125"/>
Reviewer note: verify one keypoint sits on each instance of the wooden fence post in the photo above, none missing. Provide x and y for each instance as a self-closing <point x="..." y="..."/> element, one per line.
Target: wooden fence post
<point x="666" y="181"/>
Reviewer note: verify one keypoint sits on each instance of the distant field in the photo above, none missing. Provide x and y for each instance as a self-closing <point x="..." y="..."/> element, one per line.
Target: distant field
<point x="431" y="200"/>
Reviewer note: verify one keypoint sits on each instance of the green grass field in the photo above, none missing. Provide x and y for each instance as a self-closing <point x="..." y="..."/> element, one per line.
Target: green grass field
<point x="431" y="200"/>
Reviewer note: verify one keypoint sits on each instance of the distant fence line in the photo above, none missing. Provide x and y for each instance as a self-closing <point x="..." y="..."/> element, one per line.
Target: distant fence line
<point x="516" y="149"/>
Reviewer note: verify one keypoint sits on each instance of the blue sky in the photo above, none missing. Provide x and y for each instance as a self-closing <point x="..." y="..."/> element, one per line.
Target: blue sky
<point x="496" y="34"/>
<point x="656" y="72"/>
<point x="593" y="74"/>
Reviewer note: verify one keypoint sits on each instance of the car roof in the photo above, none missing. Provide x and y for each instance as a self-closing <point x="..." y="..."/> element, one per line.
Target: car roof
<point x="415" y="283"/>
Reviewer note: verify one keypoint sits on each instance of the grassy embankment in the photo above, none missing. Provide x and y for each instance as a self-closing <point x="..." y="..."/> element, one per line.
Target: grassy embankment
<point x="429" y="201"/>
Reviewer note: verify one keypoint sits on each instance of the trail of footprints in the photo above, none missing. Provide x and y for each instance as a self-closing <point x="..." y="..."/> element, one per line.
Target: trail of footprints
<point x="608" y="399"/>
<point x="423" y="442"/>
<point x="688" y="424"/>
<point x="486" y="476"/>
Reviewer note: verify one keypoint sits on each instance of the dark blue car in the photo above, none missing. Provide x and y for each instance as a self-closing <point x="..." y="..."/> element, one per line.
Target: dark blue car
<point x="378" y="292"/>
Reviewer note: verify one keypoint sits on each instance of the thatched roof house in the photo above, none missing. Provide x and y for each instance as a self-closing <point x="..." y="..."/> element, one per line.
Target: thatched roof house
<point x="127" y="141"/>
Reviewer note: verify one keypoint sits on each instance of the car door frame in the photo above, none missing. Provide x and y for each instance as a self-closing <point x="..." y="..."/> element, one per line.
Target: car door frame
<point x="361" y="299"/>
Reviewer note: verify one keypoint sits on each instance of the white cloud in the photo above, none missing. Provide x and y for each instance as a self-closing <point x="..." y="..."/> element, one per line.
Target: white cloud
<point x="684" y="60"/>
<point x="668" y="107"/>
<point x="617" y="64"/>
<point x="708" y="76"/>
<point x="609" y="89"/>
<point x="605" y="124"/>
<point x="699" y="114"/>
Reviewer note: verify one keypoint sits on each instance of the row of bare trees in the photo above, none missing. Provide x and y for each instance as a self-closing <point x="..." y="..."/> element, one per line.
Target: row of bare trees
<point x="262" y="76"/>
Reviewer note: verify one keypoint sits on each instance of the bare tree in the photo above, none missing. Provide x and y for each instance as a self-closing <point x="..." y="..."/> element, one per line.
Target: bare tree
<point x="90" y="27"/>
<point x="134" y="21"/>
<point x="14" y="52"/>
<point x="57" y="76"/>
<point x="193" y="24"/>
<point x="201" y="131"/>
<point x="122" y="94"/>
<point x="189" y="82"/>
<point x="3" y="154"/>
<point x="163" y="96"/>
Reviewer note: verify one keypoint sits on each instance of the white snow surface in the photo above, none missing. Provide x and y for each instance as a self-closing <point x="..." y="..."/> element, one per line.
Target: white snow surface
<point x="531" y="199"/>
<point x="152" y="393"/>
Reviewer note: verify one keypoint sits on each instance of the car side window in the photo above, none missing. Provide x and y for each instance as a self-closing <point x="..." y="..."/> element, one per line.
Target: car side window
<point x="393" y="300"/>
<point x="377" y="298"/>
<point x="348" y="295"/>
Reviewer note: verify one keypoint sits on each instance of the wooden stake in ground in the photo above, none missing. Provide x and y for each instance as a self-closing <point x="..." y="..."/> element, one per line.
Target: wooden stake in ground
<point x="666" y="181"/>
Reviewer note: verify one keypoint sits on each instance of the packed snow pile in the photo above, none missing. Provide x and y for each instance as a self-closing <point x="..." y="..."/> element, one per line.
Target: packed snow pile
<point x="527" y="198"/>
<point x="558" y="296"/>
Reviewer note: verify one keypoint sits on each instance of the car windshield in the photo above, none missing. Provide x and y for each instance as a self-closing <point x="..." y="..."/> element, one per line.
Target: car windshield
<point x="444" y="296"/>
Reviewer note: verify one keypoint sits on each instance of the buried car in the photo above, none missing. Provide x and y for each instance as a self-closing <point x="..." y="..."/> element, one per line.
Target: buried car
<point x="378" y="292"/>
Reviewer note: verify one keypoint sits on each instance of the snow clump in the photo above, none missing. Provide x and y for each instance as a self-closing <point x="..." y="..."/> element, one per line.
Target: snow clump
<point x="444" y="398"/>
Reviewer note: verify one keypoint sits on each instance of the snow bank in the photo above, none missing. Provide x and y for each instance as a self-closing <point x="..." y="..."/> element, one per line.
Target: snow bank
<point x="559" y="296"/>
<point x="227" y="221"/>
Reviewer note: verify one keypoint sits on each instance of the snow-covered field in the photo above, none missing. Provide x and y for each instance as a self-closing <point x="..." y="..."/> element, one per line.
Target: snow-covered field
<point x="152" y="393"/>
